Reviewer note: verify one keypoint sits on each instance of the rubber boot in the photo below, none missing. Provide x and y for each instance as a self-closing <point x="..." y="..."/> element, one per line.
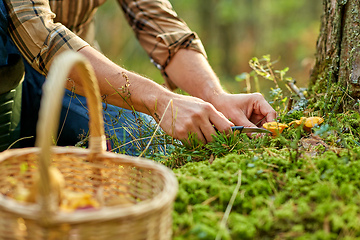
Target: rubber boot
<point x="11" y="77"/>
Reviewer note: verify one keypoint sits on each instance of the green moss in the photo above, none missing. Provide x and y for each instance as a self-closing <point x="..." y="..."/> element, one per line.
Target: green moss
<point x="278" y="195"/>
<point x="288" y="190"/>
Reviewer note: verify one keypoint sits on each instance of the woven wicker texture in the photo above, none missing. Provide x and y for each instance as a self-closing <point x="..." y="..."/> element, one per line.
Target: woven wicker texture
<point x="136" y="195"/>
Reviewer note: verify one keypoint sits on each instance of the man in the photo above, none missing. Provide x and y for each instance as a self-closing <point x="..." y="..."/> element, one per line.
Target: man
<point x="172" y="47"/>
<point x="11" y="76"/>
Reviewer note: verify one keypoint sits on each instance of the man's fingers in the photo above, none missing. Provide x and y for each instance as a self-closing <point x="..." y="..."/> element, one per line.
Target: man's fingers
<point x="208" y="131"/>
<point x="247" y="123"/>
<point x="221" y="123"/>
<point x="257" y="119"/>
<point x="262" y="108"/>
<point x="200" y="136"/>
<point x="268" y="111"/>
<point x="191" y="135"/>
<point x="272" y="116"/>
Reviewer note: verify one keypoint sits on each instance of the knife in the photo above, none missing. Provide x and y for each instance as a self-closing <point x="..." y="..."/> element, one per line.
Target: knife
<point x="243" y="129"/>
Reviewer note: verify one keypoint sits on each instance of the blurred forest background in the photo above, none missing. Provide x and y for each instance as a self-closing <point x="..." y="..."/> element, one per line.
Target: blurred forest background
<point x="232" y="31"/>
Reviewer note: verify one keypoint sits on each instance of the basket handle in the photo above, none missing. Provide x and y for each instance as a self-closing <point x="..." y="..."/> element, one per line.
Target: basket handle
<point x="49" y="114"/>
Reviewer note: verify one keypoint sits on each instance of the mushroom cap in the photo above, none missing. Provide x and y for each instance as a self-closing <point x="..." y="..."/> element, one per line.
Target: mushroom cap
<point x="313" y="121"/>
<point x="275" y="127"/>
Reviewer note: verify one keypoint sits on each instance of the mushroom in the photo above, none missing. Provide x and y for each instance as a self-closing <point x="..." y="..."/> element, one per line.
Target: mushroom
<point x="298" y="122"/>
<point x="309" y="122"/>
<point x="275" y="127"/>
<point x="312" y="122"/>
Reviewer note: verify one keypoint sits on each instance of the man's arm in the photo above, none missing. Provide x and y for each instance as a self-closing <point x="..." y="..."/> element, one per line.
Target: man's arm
<point x="186" y="114"/>
<point x="40" y="40"/>
<point x="191" y="71"/>
<point x="179" y="52"/>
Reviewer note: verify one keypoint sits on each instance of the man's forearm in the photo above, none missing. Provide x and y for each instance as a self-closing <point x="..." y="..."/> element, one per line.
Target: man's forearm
<point x="121" y="87"/>
<point x="190" y="71"/>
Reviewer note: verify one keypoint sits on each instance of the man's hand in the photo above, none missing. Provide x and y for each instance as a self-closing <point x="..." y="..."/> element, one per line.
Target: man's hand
<point x="190" y="71"/>
<point x="192" y="115"/>
<point x="248" y="110"/>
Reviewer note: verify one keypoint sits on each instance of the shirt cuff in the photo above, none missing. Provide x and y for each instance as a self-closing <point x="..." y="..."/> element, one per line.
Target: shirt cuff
<point x="175" y="41"/>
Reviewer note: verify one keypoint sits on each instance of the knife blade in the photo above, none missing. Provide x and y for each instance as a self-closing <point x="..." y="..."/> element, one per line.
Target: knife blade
<point x="243" y="129"/>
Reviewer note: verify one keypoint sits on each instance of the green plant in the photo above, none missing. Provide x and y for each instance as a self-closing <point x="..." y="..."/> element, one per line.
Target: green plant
<point x="285" y="91"/>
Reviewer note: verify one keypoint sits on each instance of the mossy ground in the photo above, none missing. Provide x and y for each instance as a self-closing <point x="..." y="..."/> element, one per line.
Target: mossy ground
<point x="289" y="190"/>
<point x="298" y="185"/>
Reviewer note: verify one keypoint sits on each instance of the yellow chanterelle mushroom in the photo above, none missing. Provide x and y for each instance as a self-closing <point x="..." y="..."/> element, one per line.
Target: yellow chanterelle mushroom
<point x="312" y="122"/>
<point x="275" y="127"/>
<point x="309" y="122"/>
<point x="297" y="123"/>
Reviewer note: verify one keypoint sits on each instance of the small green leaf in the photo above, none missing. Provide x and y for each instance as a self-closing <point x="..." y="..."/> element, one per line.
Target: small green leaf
<point x="266" y="58"/>
<point x="284" y="99"/>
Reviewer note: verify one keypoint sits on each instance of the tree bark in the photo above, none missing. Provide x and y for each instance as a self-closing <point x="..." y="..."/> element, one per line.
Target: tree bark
<point x="338" y="46"/>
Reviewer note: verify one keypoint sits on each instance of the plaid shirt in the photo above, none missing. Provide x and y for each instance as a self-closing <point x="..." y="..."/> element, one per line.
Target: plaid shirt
<point x="44" y="28"/>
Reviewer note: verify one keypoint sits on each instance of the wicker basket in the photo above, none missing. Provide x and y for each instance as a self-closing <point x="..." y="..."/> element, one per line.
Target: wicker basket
<point x="150" y="188"/>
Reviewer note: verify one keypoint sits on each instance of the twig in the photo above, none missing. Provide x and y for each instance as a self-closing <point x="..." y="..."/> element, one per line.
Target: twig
<point x="67" y="112"/>
<point x="157" y="128"/>
<point x="248" y="84"/>
<point x="272" y="74"/>
<point x="18" y="141"/>
<point x="289" y="105"/>
<point x="229" y="206"/>
<point x="209" y="200"/>
<point x="295" y="89"/>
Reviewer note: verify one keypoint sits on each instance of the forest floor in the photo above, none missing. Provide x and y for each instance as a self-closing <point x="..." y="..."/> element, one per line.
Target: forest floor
<point x="299" y="184"/>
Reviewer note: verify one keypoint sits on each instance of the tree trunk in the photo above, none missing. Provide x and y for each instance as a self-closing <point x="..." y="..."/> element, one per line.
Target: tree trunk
<point x="338" y="47"/>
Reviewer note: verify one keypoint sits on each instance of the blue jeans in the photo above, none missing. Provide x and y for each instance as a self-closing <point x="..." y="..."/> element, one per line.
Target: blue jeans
<point x="127" y="131"/>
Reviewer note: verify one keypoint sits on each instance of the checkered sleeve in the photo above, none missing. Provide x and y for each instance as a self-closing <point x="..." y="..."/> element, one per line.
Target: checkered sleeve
<point x="38" y="38"/>
<point x="160" y="31"/>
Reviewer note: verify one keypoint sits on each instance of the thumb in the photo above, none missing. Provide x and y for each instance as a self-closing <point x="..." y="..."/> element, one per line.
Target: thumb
<point x="270" y="117"/>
